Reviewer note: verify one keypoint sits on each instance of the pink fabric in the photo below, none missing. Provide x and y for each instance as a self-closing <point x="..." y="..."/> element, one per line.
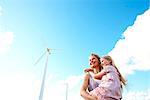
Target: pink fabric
<point x="109" y="86"/>
<point x="100" y="93"/>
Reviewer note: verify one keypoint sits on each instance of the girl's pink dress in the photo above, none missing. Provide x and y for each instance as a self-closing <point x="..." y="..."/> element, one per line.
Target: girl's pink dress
<point x="109" y="87"/>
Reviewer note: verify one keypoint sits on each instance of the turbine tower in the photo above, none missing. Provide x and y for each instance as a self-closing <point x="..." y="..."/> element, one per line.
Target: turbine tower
<point x="45" y="71"/>
<point x="44" y="75"/>
<point x="66" y="90"/>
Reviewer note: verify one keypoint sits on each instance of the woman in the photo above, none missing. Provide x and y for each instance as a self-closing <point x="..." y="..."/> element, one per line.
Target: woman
<point x="90" y="83"/>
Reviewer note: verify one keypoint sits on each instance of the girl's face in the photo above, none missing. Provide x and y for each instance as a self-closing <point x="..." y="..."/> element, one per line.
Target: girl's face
<point x="93" y="61"/>
<point x="105" y="62"/>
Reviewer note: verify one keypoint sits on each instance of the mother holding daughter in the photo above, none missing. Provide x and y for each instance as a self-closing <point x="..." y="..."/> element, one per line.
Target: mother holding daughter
<point x="103" y="80"/>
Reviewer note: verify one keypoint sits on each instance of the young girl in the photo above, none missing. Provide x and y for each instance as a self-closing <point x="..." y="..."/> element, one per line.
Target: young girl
<point x="111" y="81"/>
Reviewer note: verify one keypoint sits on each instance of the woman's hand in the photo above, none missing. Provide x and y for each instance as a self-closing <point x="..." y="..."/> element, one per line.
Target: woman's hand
<point x="88" y="70"/>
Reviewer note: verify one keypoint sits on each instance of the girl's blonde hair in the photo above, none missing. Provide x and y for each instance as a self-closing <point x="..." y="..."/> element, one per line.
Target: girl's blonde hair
<point x="122" y="80"/>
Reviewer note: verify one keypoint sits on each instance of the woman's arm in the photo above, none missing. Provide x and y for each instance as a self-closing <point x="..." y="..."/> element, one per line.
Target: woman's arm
<point x="84" y="87"/>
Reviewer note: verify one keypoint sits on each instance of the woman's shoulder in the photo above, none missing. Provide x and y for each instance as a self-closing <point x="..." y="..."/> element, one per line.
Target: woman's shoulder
<point x="87" y="75"/>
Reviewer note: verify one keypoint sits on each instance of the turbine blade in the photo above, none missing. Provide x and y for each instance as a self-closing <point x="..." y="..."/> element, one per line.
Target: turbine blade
<point x="51" y="49"/>
<point x="40" y="58"/>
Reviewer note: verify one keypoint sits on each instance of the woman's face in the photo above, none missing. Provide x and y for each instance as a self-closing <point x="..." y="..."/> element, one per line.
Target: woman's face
<point x="93" y="61"/>
<point x="104" y="62"/>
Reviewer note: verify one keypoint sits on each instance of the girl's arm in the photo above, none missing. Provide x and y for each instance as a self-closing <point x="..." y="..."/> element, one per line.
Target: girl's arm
<point x="100" y="74"/>
<point x="84" y="87"/>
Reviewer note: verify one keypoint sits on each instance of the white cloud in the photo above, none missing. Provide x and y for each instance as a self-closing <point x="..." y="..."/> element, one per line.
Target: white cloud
<point x="137" y="95"/>
<point x="26" y="86"/>
<point x="72" y="81"/>
<point x="6" y="40"/>
<point x="132" y="51"/>
<point x="57" y="91"/>
<point x="18" y="86"/>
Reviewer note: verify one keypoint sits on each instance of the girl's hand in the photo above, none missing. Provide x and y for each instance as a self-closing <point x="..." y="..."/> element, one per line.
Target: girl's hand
<point x="94" y="97"/>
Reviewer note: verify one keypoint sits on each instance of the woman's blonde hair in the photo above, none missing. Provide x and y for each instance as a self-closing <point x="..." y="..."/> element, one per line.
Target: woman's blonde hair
<point x="122" y="80"/>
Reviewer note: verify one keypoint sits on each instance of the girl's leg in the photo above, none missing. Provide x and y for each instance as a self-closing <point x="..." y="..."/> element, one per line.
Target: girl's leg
<point x="101" y="93"/>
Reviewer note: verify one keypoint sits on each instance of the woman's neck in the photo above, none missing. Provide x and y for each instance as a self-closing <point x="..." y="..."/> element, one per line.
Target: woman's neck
<point x="96" y="69"/>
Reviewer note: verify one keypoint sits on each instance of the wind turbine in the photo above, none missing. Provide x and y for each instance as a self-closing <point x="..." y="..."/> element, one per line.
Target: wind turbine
<point x="66" y="90"/>
<point x="48" y="52"/>
<point x="45" y="71"/>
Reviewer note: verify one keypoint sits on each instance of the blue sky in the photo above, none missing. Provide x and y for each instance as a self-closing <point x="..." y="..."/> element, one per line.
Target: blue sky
<point x="74" y="28"/>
